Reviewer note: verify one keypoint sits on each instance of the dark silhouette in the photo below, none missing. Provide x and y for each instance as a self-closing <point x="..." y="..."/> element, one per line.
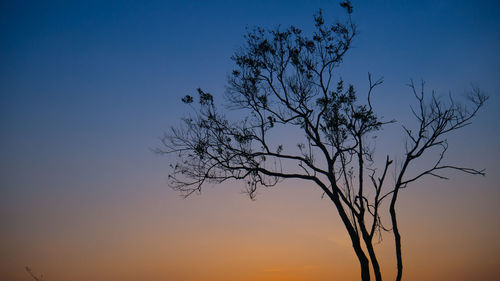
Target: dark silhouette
<point x="30" y="272"/>
<point x="285" y="79"/>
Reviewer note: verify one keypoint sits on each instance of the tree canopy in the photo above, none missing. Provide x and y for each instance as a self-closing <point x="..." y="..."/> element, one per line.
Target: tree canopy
<point x="286" y="79"/>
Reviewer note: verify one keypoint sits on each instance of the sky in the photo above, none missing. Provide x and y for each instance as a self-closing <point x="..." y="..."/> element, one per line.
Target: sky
<point x="88" y="87"/>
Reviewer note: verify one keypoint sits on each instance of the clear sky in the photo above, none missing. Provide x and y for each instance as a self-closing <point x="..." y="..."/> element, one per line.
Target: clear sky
<point x="88" y="87"/>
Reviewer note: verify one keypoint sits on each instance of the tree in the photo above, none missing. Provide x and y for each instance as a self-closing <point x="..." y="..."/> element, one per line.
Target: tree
<point x="284" y="79"/>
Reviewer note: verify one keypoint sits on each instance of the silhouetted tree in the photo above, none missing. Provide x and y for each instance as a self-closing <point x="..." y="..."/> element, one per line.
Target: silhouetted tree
<point x="284" y="79"/>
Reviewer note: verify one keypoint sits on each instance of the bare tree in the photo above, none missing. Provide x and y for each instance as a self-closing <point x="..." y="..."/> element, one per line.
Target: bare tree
<point x="284" y="79"/>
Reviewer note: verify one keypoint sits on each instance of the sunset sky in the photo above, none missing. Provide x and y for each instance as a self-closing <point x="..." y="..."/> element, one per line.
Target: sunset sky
<point x="87" y="88"/>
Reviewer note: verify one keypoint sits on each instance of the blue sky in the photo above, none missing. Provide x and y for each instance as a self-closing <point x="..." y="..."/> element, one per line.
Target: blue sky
<point x="87" y="87"/>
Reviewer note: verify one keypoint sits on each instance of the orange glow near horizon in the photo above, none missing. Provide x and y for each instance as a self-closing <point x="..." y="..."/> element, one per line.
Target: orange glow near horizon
<point x="222" y="235"/>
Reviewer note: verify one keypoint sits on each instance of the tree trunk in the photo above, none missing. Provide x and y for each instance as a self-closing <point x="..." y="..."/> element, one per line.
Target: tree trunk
<point x="363" y="260"/>
<point x="355" y="239"/>
<point x="373" y="258"/>
<point x="397" y="236"/>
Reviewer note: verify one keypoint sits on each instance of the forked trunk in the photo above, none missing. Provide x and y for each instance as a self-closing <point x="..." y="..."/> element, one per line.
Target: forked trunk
<point x="360" y="254"/>
<point x="374" y="261"/>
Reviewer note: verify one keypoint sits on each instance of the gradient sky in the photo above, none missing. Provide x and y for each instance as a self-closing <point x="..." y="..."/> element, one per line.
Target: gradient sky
<point x="87" y="87"/>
